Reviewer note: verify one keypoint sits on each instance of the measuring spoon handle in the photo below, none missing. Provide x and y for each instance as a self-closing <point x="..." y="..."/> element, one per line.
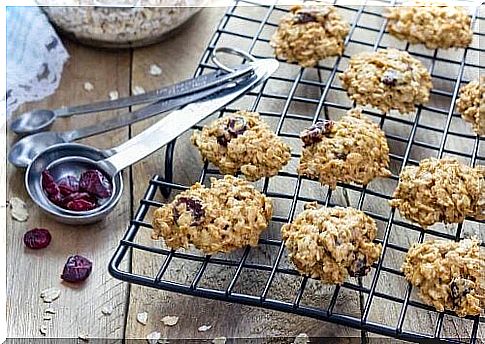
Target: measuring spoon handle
<point x="138" y="115"/>
<point x="182" y="88"/>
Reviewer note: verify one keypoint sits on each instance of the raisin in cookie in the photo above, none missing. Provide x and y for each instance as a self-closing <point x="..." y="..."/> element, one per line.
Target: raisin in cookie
<point x="448" y="274"/>
<point x="387" y="80"/>
<point x="353" y="149"/>
<point x="440" y="190"/>
<point x="229" y="215"/>
<point x="242" y="142"/>
<point x="331" y="243"/>
<point x="431" y="23"/>
<point x="310" y="33"/>
<point x="471" y="104"/>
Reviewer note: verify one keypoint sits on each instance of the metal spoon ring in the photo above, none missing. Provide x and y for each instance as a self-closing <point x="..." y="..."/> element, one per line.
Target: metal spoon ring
<point x="230" y="51"/>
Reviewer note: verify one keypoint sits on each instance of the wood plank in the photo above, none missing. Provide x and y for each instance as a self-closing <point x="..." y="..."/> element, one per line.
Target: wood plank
<point x="78" y="308"/>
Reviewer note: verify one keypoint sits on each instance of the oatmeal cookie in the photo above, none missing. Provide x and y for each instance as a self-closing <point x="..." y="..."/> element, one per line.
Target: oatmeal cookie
<point x="309" y="33"/>
<point x="331" y="243"/>
<point x="387" y="79"/>
<point x="242" y="142"/>
<point x="229" y="215"/>
<point x="353" y="149"/>
<point x="449" y="275"/>
<point x="440" y="190"/>
<point x="471" y="104"/>
<point x="431" y="23"/>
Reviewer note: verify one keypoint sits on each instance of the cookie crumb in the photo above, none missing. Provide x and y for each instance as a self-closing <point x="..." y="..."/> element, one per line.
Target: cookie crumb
<point x="88" y="86"/>
<point x="170" y="320"/>
<point x="18" y="209"/>
<point x="155" y="70"/>
<point x="204" y="328"/>
<point x="142" y="318"/>
<point x="138" y="90"/>
<point x="113" y="95"/>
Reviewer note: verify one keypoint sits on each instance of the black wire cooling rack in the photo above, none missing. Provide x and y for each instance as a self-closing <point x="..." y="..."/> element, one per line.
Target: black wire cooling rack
<point x="433" y="130"/>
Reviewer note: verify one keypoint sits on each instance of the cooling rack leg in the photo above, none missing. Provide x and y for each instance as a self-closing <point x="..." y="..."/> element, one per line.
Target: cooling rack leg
<point x="168" y="169"/>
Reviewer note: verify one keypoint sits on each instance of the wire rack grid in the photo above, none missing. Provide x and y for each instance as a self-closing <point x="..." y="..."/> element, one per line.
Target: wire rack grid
<point x="433" y="130"/>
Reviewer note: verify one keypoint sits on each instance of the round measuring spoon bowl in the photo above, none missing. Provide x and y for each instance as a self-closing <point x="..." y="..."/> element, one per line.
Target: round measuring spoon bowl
<point x="70" y="159"/>
<point x="27" y="148"/>
<point x="33" y="122"/>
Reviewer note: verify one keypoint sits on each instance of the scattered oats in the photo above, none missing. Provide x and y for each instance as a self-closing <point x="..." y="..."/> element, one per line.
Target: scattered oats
<point x="107" y="310"/>
<point x="170" y="320"/>
<point x="50" y="294"/>
<point x="153" y="337"/>
<point x="302" y="338"/>
<point x="142" y="318"/>
<point x="43" y="330"/>
<point x="138" y="90"/>
<point x="204" y="328"/>
<point x="50" y="311"/>
<point x="47" y="318"/>
<point x="84" y="337"/>
<point x="88" y="86"/>
<point x="155" y="70"/>
<point x="113" y="95"/>
<point x="219" y="340"/>
<point x="18" y="209"/>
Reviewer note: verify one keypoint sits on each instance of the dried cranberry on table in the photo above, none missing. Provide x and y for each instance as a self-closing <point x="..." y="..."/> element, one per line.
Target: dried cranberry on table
<point x="76" y="269"/>
<point x="37" y="238"/>
<point x="94" y="182"/>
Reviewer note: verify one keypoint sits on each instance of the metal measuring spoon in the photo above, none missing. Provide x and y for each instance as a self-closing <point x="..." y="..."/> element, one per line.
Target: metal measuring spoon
<point x="74" y="159"/>
<point x="24" y="150"/>
<point x="38" y="120"/>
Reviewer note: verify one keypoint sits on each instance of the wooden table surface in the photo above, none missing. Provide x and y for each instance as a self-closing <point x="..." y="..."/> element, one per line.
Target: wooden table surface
<point x="79" y="309"/>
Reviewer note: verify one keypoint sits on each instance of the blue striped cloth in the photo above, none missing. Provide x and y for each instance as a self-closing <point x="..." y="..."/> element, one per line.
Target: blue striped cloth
<point x="35" y="56"/>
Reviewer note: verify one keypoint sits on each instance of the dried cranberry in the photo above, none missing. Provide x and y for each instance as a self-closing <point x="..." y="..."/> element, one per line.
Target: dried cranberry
<point x="76" y="269"/>
<point x="80" y="205"/>
<point x="194" y="206"/>
<point x="359" y="268"/>
<point x="77" y="196"/>
<point x="316" y="132"/>
<point x="37" y="238"/>
<point x="68" y="185"/>
<point x="304" y="17"/>
<point x="390" y="77"/>
<point x="94" y="182"/>
<point x="51" y="188"/>
<point x="235" y="126"/>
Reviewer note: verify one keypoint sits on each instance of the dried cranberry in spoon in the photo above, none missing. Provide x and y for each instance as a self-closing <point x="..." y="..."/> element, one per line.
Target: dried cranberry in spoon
<point x="76" y="269"/>
<point x="94" y="182"/>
